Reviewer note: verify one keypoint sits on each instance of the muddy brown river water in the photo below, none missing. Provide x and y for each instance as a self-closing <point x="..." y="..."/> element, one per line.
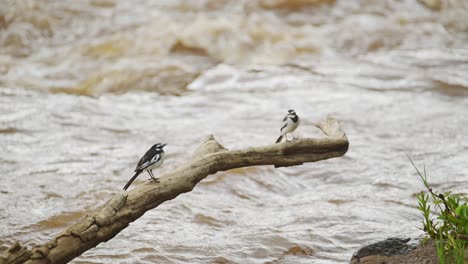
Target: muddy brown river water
<point x="87" y="86"/>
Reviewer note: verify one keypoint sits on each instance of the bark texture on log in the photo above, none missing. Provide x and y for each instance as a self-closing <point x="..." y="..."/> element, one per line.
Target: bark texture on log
<point x="117" y="213"/>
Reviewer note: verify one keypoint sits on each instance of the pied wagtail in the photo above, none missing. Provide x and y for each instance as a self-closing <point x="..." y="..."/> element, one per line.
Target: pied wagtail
<point x="152" y="159"/>
<point x="290" y="123"/>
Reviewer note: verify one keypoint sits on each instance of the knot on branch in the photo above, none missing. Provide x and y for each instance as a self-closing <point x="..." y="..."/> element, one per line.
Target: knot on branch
<point x="209" y="145"/>
<point x="15" y="248"/>
<point x="39" y="252"/>
<point x="15" y="254"/>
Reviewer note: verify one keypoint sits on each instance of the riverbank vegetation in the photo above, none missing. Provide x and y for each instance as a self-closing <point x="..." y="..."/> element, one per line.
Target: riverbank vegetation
<point x="445" y="220"/>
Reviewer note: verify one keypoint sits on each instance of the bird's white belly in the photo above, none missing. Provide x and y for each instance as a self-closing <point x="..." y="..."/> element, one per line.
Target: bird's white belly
<point x="290" y="126"/>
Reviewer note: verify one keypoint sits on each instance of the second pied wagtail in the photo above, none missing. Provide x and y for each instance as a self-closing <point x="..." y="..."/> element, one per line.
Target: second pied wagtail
<point x="290" y="123"/>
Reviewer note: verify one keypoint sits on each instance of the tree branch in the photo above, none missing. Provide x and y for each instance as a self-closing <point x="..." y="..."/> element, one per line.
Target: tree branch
<point x="117" y="213"/>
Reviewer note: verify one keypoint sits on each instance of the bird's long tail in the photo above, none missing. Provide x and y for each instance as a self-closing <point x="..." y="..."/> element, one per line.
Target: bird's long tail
<point x="132" y="179"/>
<point x="279" y="139"/>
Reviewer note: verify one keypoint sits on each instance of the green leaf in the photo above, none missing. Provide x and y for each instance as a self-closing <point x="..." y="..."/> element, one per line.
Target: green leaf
<point x="462" y="211"/>
<point x="455" y="220"/>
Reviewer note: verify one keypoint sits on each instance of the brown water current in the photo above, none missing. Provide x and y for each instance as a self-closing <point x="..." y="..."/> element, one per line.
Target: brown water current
<point x="87" y="86"/>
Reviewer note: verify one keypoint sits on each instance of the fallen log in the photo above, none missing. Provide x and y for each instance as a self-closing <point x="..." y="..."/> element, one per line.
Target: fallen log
<point x="122" y="209"/>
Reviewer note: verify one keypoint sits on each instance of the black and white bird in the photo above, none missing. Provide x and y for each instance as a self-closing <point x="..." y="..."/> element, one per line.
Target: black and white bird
<point x="290" y="123"/>
<point x="152" y="159"/>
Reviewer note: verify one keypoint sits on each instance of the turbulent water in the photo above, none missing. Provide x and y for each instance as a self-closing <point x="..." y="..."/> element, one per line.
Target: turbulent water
<point x="87" y="86"/>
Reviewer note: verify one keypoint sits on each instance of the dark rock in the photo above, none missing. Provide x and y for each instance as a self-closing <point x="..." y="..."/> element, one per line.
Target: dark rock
<point x="396" y="251"/>
<point x="388" y="247"/>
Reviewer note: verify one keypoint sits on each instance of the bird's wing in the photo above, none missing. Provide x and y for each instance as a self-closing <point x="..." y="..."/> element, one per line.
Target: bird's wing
<point x="150" y="157"/>
<point x="284" y="125"/>
<point x="150" y="162"/>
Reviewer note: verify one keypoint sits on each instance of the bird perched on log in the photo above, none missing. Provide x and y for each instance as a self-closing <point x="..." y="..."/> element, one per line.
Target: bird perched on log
<point x="290" y="123"/>
<point x="152" y="159"/>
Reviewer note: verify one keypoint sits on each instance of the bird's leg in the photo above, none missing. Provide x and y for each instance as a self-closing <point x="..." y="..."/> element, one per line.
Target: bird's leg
<point x="294" y="137"/>
<point x="286" y="136"/>
<point x="150" y="172"/>
<point x="152" y="176"/>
